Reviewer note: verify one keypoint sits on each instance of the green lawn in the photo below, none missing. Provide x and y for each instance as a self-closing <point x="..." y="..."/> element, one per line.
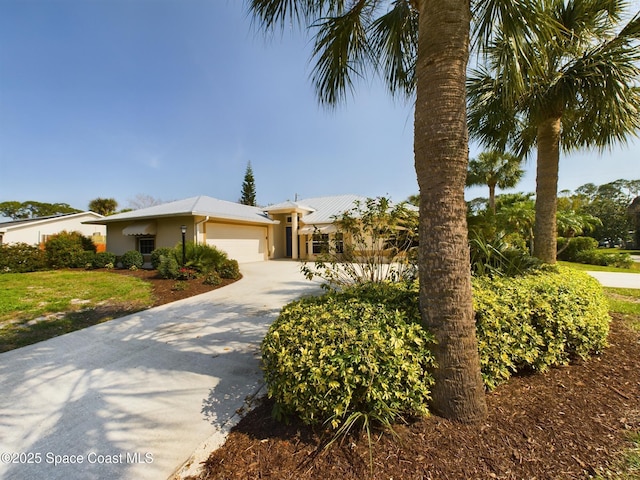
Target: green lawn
<point x="625" y="301"/>
<point x="40" y="305"/>
<point x="635" y="268"/>
<point x="618" y="250"/>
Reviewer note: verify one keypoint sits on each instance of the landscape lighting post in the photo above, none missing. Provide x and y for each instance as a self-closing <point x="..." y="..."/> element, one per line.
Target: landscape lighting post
<point x="183" y="229"/>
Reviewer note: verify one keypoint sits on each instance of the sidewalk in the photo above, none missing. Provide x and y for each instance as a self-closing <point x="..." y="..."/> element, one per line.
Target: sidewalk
<point x="133" y="398"/>
<point x="619" y="280"/>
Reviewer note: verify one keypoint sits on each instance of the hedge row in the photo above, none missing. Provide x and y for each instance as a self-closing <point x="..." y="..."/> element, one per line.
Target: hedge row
<point x="364" y="351"/>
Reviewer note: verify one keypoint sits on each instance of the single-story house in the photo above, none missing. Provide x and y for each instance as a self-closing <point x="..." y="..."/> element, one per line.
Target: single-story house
<point x="248" y="234"/>
<point x="35" y="231"/>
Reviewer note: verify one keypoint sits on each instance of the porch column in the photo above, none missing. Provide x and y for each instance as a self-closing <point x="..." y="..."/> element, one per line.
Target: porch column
<point x="294" y="236"/>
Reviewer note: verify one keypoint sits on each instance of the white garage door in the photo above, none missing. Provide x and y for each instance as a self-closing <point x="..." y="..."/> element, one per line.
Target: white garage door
<point x="241" y="242"/>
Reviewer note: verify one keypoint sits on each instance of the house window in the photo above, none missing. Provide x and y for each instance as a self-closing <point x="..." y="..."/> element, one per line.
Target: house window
<point x="339" y="243"/>
<point x="320" y="243"/>
<point x="146" y="245"/>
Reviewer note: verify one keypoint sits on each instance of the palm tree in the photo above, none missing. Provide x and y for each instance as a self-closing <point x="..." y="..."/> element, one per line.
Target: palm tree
<point x="494" y="169"/>
<point x="572" y="84"/>
<point x="103" y="206"/>
<point x="420" y="47"/>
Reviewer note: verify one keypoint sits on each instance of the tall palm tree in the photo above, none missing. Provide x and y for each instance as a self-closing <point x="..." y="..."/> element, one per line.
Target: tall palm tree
<point x="572" y="84"/>
<point x="418" y="47"/>
<point x="494" y="169"/>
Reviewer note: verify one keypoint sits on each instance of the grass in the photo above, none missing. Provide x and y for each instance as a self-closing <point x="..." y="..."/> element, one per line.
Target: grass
<point x="635" y="267"/>
<point x="625" y="301"/>
<point x="619" y="250"/>
<point x="41" y="305"/>
<point x="627" y="465"/>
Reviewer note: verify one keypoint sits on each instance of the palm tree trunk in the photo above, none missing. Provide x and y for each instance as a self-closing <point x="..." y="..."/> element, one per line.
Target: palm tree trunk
<point x="441" y="157"/>
<point x="492" y="197"/>
<point x="545" y="229"/>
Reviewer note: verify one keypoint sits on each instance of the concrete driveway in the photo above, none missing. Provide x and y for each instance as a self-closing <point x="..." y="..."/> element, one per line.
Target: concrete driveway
<point x="137" y="396"/>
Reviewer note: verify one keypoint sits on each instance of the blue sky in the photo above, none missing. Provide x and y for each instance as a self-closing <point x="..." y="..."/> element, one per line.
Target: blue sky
<point x="172" y="98"/>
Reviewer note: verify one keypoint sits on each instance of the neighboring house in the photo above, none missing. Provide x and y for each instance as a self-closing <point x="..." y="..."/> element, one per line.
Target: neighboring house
<point x="35" y="231"/>
<point x="248" y="234"/>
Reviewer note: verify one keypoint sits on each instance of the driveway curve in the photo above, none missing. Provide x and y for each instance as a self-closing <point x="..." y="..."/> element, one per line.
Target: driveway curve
<point x="136" y="396"/>
<point x="617" y="280"/>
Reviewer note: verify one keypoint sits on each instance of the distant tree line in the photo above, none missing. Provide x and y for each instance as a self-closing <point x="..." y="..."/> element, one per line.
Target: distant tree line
<point x="104" y="206"/>
<point x="31" y="209"/>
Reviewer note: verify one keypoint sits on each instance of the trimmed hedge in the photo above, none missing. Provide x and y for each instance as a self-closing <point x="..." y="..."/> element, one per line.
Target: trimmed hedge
<point x="364" y="351"/>
<point x="67" y="250"/>
<point x="537" y="321"/>
<point x="132" y="260"/>
<point x="596" y="257"/>
<point x="575" y="247"/>
<point x="104" y="260"/>
<point x="327" y="358"/>
<point x="21" y="258"/>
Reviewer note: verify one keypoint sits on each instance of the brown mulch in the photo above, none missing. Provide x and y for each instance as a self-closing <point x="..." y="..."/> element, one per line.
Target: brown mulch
<point x="569" y="423"/>
<point x="167" y="290"/>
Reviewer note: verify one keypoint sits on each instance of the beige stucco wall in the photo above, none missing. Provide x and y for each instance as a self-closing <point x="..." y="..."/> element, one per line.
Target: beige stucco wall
<point x="278" y="239"/>
<point x="167" y="234"/>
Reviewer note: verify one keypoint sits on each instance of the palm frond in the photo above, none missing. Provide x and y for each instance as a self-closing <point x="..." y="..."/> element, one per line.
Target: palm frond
<point x="341" y="52"/>
<point x="273" y="13"/>
<point x="394" y="43"/>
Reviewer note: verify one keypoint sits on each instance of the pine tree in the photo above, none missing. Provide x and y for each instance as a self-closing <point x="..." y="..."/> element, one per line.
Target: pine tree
<point x="248" y="188"/>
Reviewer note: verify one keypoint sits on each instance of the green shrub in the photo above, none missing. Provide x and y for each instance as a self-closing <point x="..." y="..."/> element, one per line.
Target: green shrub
<point x="496" y="257"/>
<point x="168" y="267"/>
<point x="362" y="352"/>
<point x="21" y="258"/>
<point x="202" y="258"/>
<point x="158" y="253"/>
<point x="229" y="269"/>
<point x="85" y="259"/>
<point x="132" y="260"/>
<point x="199" y="259"/>
<point x="104" y="259"/>
<point x="65" y="250"/>
<point x="570" y="248"/>
<point x="597" y="257"/>
<point x="346" y="355"/>
<point x="212" y="278"/>
<point x="537" y="321"/>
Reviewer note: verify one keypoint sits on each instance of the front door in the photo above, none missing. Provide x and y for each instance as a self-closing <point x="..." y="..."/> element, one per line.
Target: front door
<point x="289" y="253"/>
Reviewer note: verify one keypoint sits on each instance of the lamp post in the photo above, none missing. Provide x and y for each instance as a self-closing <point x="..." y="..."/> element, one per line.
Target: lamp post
<point x="183" y="230"/>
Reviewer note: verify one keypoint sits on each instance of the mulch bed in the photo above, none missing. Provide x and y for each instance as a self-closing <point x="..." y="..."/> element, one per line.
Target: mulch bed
<point x="569" y="423"/>
<point x="167" y="290"/>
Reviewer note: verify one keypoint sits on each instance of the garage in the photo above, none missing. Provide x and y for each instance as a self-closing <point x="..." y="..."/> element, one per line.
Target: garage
<point x="244" y="243"/>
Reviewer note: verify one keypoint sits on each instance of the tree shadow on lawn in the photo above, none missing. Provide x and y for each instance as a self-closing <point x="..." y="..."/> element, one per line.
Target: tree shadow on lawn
<point x="27" y="332"/>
